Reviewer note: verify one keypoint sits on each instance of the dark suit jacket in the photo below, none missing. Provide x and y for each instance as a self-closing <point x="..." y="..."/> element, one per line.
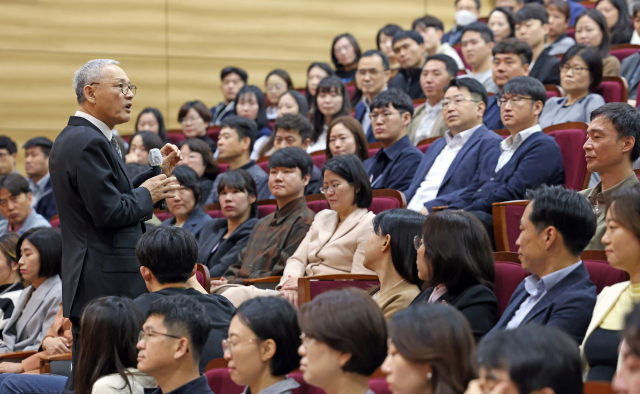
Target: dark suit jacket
<point x="193" y="224"/>
<point x="313" y="187"/>
<point x="219" y="311"/>
<point x="46" y="206"/>
<point x="461" y="171"/>
<point x="477" y="303"/>
<point x="491" y="117"/>
<point x="361" y="111"/>
<point x="400" y="161"/>
<point x="545" y="69"/>
<point x="408" y="82"/>
<point x="227" y="252"/>
<point x="567" y="306"/>
<point x="537" y="161"/>
<point x="102" y="213"/>
<point x="627" y="68"/>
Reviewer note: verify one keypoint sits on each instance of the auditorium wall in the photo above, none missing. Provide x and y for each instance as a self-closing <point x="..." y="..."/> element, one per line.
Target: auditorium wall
<point x="172" y="50"/>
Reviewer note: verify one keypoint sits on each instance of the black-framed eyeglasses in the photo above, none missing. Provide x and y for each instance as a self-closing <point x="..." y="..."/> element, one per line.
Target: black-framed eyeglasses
<point x="457" y="100"/>
<point x="143" y="335"/>
<point x="417" y="242"/>
<point x="123" y="88"/>
<point x="513" y="100"/>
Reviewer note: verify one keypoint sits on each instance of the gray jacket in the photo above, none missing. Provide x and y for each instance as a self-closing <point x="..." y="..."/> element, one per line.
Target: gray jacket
<point x="32" y="221"/>
<point x="252" y="168"/>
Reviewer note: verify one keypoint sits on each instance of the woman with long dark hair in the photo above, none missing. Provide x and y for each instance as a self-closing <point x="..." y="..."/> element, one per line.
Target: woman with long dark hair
<point x="384" y="41"/>
<point x="332" y="101"/>
<point x="345" y="54"/>
<point x="250" y="104"/>
<point x="616" y="12"/>
<point x="316" y="72"/>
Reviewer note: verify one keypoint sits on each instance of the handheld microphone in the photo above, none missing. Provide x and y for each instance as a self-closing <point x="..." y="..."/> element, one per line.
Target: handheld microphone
<point x="155" y="161"/>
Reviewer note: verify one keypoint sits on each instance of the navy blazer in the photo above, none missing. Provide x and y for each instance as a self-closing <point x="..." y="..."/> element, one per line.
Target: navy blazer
<point x="194" y="222"/>
<point x="46" y="206"/>
<point x="537" y="161"/>
<point x="227" y="252"/>
<point x="402" y="158"/>
<point x="481" y="143"/>
<point x="491" y="117"/>
<point x="567" y="306"/>
<point x="408" y="82"/>
<point x="360" y="114"/>
<point x="546" y="69"/>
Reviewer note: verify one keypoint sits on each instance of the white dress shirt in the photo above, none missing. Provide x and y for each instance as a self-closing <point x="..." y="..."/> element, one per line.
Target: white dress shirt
<point x="366" y="120"/>
<point x="428" y="120"/>
<point x="510" y="145"/>
<point x="98" y="123"/>
<point x="321" y="143"/>
<point x="428" y="189"/>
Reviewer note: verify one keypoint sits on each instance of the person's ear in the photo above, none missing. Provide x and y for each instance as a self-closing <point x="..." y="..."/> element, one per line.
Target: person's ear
<point x="490" y="45"/>
<point x="267" y="350"/>
<point x="422" y="48"/>
<point x="246" y="143"/>
<point x="537" y="108"/>
<point x="440" y="34"/>
<point x="545" y="27"/>
<point x="29" y="197"/>
<point x="89" y="93"/>
<point x="306" y="144"/>
<point x="182" y="348"/>
<point x="15" y="266"/>
<point x="628" y="144"/>
<point x="550" y="235"/>
<point x="480" y="109"/>
<point x="526" y="70"/>
<point x="252" y="198"/>
<point x="344" y="359"/>
<point x="146" y="274"/>
<point x="193" y="271"/>
<point x="406" y="119"/>
<point x="386" y="245"/>
<point x="306" y="179"/>
<point x="387" y="76"/>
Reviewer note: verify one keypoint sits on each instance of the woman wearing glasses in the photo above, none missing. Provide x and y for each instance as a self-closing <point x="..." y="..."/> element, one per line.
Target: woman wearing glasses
<point x="455" y="260"/>
<point x="277" y="82"/>
<point x="262" y="347"/>
<point x="336" y="241"/>
<point x="194" y="116"/>
<point x="580" y="74"/>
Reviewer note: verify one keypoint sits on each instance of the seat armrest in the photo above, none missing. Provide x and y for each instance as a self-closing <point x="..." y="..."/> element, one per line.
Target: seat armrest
<point x="267" y="279"/>
<point x="17" y="355"/>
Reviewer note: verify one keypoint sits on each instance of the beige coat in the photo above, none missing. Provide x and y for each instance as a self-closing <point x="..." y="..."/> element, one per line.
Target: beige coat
<point x="328" y="251"/>
<point x="397" y="298"/>
<point x="438" y="130"/>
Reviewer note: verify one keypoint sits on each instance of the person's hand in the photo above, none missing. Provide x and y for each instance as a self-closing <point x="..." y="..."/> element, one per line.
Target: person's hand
<point x="57" y="345"/>
<point x="131" y="158"/>
<point x="171" y="156"/>
<point x="6" y="367"/>
<point x="291" y="296"/>
<point x="290" y="284"/>
<point x="161" y="187"/>
<point x="424" y="211"/>
<point x="219" y="282"/>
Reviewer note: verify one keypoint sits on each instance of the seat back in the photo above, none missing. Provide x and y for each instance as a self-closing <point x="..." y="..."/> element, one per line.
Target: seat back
<point x="222" y="167"/>
<point x="220" y="381"/>
<point x="601" y="273"/>
<point x="596" y="387"/>
<point x="613" y="89"/>
<point x="164" y="215"/>
<point x="351" y="89"/>
<point x="203" y="277"/>
<point x="174" y="138"/>
<point x="213" y="133"/>
<point x="379" y="385"/>
<point x="263" y="162"/>
<point x="637" y="172"/>
<point x="552" y="91"/>
<point x="509" y="274"/>
<point x="311" y="286"/>
<point x="55" y="221"/>
<point x="458" y="48"/>
<point x="384" y="199"/>
<point x="319" y="158"/>
<point x="622" y="51"/>
<point x="266" y="207"/>
<point x="570" y="137"/>
<point x="318" y="205"/>
<point x="506" y="224"/>
<point x="424" y="144"/>
<point x="374" y="148"/>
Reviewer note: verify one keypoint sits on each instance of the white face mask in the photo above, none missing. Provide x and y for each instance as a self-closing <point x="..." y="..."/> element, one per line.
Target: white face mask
<point x="464" y="17"/>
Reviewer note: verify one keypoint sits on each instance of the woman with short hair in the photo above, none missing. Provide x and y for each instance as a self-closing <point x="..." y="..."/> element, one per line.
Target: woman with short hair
<point x="151" y="119"/>
<point x="197" y="155"/>
<point x="276" y="84"/>
<point x="502" y="23"/>
<point x="250" y="104"/>
<point x="345" y="136"/>
<point x="10" y="280"/>
<point x="345" y="54"/>
<point x="140" y="145"/>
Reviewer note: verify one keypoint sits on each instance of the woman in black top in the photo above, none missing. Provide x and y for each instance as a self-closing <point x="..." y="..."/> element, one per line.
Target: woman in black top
<point x="345" y="54"/>
<point x="616" y="12"/>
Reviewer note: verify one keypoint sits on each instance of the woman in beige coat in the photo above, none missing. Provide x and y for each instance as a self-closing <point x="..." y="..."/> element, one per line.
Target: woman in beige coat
<point x="336" y="240"/>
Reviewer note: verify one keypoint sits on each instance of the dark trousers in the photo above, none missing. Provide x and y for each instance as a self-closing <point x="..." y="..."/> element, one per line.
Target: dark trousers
<point x="75" y="351"/>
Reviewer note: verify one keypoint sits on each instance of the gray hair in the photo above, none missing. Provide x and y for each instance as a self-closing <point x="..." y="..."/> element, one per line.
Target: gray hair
<point x="89" y="73"/>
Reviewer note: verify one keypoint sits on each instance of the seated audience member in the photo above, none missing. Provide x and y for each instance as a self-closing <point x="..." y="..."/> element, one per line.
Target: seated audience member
<point x="8" y="154"/>
<point x="250" y="104"/>
<point x="527" y="159"/>
<point x="340" y="353"/>
<point x="410" y="52"/>
<point x="232" y="79"/>
<point x="627" y="375"/>
<point x="276" y="84"/>
<point x="616" y="12"/>
<point x="316" y="72"/>
<point x="428" y="120"/>
<point x="511" y="58"/>
<point x="290" y="103"/>
<point x="331" y="101"/>
<point x="575" y="8"/>
<point x="197" y="155"/>
<point x="185" y="206"/>
<point x="451" y="162"/>
<point x="430" y="351"/>
<point x="502" y="23"/>
<point x="392" y="167"/>
<point x="36" y="166"/>
<point x="389" y="253"/>
<point x="15" y="206"/>
<point x="292" y="130"/>
<point x="630" y="68"/>
<point x="555" y="228"/>
<point x="167" y="258"/>
<point x="559" y="17"/>
<point x="592" y="30"/>
<point x="477" y="44"/>
<point x="612" y="146"/>
<point x="335" y="243"/>
<point x="140" y="145"/>
<point x="272" y="325"/>
<point x="550" y="364"/>
<point x="221" y="240"/>
<point x="622" y="241"/>
<point x="345" y="54"/>
<point x="151" y="119"/>
<point x="171" y="342"/>
<point x="346" y="137"/>
<point x="371" y="78"/>
<point x="467" y="11"/>
<point x="39" y="254"/>
<point x="194" y="117"/>
<point x="384" y="41"/>
<point x="10" y="280"/>
<point x="580" y="74"/>
<point x="455" y="260"/>
<point x="432" y="30"/>
<point x="277" y="236"/>
<point x="532" y="26"/>
<point x="235" y="143"/>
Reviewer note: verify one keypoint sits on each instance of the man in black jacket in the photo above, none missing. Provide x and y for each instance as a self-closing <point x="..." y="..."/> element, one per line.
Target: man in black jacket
<point x="410" y="52"/>
<point x="532" y="26"/>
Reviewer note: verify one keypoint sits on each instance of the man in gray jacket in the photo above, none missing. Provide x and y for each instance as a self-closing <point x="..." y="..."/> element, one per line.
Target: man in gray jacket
<point x="15" y="206"/>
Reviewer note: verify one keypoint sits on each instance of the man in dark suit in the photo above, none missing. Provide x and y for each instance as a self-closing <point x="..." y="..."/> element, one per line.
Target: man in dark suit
<point x="371" y="78"/>
<point x="451" y="161"/>
<point x="532" y="26"/>
<point x="36" y="165"/>
<point x="556" y="227"/>
<point x="410" y="52"/>
<point x="102" y="211"/>
<point x="630" y="70"/>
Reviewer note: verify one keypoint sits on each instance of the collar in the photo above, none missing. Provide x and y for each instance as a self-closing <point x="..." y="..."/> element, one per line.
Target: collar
<point x="282" y="214"/>
<point x="27" y="220"/>
<point x="365" y="98"/>
<point x="535" y="286"/>
<point x="513" y="143"/>
<point x="98" y="123"/>
<point x="597" y="194"/>
<point x="199" y="385"/>
<point x="248" y="165"/>
<point x="435" y="108"/>
<point x="560" y="38"/>
<point x="464" y="135"/>
<point x="394" y="150"/>
<point x="41" y="183"/>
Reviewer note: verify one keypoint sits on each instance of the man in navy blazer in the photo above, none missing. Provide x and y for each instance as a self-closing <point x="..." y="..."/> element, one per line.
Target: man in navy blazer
<point x="451" y="161"/>
<point x="527" y="159"/>
<point x="371" y="78"/>
<point x="556" y="227"/>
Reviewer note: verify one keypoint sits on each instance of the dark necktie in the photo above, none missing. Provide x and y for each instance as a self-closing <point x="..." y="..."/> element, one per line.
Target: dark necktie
<point x="114" y="145"/>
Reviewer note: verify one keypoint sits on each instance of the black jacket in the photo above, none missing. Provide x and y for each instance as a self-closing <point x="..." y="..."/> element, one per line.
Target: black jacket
<point x="408" y="82"/>
<point x="227" y="252"/>
<point x="545" y="69"/>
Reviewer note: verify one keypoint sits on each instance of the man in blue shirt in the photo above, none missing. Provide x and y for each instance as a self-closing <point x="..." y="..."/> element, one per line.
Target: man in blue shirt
<point x="393" y="166"/>
<point x="556" y="227"/>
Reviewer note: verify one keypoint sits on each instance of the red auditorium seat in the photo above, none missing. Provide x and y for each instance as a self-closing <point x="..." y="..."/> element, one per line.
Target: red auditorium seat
<point x="552" y="91"/>
<point x="319" y="158"/>
<point x="163" y="215"/>
<point x="203" y="277"/>
<point x="571" y="32"/>
<point x="220" y="381"/>
<point x="601" y="273"/>
<point x="570" y="137"/>
<point x="613" y="89"/>
<point x="213" y="210"/>
<point x="174" y="138"/>
<point x="222" y="167"/>
<point x="351" y="89"/>
<point x="419" y="102"/>
<point x="374" y="148"/>
<point x="213" y="133"/>
<point x="317" y="202"/>
<point x="263" y="162"/>
<point x="458" y="48"/>
<point x="266" y="207"/>
<point x="506" y="223"/>
<point x="383" y="199"/>
<point x="311" y="286"/>
<point x="424" y="144"/>
<point x="379" y="386"/>
<point x="637" y="172"/>
<point x="509" y="274"/>
<point x="55" y="221"/>
<point x="596" y="387"/>
<point x="622" y="51"/>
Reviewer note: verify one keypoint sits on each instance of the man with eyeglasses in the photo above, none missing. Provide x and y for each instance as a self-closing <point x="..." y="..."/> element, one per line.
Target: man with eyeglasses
<point x="527" y="159"/>
<point x="372" y="77"/>
<point x="171" y="343"/>
<point x="393" y="166"/>
<point x="450" y="163"/>
<point x="102" y="211"/>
